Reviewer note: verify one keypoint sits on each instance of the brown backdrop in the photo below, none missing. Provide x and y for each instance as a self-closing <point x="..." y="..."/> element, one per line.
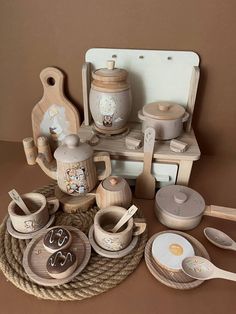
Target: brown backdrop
<point x="36" y="34"/>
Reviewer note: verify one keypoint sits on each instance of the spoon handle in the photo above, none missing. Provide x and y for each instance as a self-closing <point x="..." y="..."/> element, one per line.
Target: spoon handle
<point x="220" y="273"/>
<point x="18" y="200"/>
<point x="221" y="212"/>
<point x="130" y="212"/>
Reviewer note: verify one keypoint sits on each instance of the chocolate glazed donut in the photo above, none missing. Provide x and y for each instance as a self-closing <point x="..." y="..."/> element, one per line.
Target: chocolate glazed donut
<point x="57" y="239"/>
<point x="61" y="264"/>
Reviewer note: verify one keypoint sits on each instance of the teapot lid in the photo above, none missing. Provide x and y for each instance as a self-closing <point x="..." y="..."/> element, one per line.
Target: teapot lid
<point x="114" y="183"/>
<point x="110" y="74"/>
<point x="72" y="150"/>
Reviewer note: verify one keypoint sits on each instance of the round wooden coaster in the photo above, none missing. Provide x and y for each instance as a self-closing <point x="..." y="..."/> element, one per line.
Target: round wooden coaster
<point x="72" y="204"/>
<point x="35" y="257"/>
<point x="111" y="254"/>
<point x="25" y="236"/>
<point x="177" y="280"/>
<point x="119" y="133"/>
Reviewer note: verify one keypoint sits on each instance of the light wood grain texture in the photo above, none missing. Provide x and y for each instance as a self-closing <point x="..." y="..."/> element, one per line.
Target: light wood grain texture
<point x="115" y="254"/>
<point x="18" y="200"/>
<point x="130" y="212"/>
<point x="30" y="150"/>
<point x="118" y="194"/>
<point x="220" y="239"/>
<point x="132" y="143"/>
<point x="26" y="236"/>
<point x="44" y="148"/>
<point x="185" y="167"/>
<point x="176" y="280"/>
<point x="192" y="95"/>
<point x="54" y="115"/>
<point x="146" y="182"/>
<point x="73" y="204"/>
<point x="85" y="87"/>
<point x="201" y="268"/>
<point x="178" y="146"/>
<point x="220" y="212"/>
<point x="35" y="257"/>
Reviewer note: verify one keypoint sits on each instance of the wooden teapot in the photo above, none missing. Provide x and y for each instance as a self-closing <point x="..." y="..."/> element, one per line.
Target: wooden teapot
<point x="75" y="169"/>
<point x="113" y="191"/>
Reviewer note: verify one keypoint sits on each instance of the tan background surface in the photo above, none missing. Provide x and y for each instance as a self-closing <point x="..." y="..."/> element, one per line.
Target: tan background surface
<point x="35" y="34"/>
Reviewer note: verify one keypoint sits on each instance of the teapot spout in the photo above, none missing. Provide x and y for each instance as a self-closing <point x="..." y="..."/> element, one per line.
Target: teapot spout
<point x="49" y="168"/>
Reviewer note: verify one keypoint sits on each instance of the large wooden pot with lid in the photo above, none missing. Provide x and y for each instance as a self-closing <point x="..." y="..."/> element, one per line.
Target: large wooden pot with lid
<point x="165" y="117"/>
<point x="76" y="171"/>
<point x="113" y="191"/>
<point x="110" y="98"/>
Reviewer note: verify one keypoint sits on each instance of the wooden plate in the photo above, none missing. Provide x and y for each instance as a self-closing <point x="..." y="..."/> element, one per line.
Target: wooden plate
<point x="177" y="280"/>
<point x="111" y="254"/>
<point x="35" y="257"/>
<point x="25" y="236"/>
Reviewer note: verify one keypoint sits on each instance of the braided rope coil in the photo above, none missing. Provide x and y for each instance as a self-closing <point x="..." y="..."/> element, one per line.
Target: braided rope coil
<point x="100" y="275"/>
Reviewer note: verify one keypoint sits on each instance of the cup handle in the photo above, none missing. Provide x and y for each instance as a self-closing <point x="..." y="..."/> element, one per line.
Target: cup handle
<point x="105" y="157"/>
<point x="139" y="226"/>
<point x="55" y="202"/>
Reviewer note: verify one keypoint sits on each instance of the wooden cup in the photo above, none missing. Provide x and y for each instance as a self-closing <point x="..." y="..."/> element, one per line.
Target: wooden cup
<point x="105" y="220"/>
<point x="40" y="211"/>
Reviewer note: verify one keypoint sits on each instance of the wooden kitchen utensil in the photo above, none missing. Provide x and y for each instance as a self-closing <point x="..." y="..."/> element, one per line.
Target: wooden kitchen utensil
<point x="36" y="256"/>
<point x="200" y="268"/>
<point x="146" y="182"/>
<point x="130" y="212"/>
<point x="54" y="116"/>
<point x="19" y="201"/>
<point x="220" y="239"/>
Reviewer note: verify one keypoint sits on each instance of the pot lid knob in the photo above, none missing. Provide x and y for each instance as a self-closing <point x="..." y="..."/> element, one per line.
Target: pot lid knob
<point x="110" y="64"/>
<point x="180" y="197"/>
<point x="72" y="140"/>
<point x="163" y="107"/>
<point x="113" y="181"/>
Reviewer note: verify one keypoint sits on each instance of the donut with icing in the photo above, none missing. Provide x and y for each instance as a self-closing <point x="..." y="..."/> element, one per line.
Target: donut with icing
<point x="57" y="239"/>
<point x="61" y="264"/>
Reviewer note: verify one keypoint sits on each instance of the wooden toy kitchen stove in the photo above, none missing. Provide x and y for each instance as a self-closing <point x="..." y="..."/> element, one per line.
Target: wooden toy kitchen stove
<point x="153" y="76"/>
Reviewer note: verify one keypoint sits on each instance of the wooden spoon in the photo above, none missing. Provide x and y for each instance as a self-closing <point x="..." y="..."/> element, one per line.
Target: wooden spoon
<point x="220" y="239"/>
<point x="146" y="182"/>
<point x="18" y="200"/>
<point x="130" y="212"/>
<point x="202" y="269"/>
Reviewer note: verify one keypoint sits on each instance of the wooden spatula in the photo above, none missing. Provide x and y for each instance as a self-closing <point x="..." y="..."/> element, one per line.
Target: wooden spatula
<point x="146" y="182"/>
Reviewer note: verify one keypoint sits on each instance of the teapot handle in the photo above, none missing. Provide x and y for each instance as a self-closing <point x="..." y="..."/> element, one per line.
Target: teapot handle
<point x="105" y="157"/>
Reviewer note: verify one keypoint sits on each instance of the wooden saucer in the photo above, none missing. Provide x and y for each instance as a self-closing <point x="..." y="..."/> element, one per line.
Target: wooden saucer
<point x="176" y="280"/>
<point x="110" y="134"/>
<point x="111" y="254"/>
<point x="72" y="204"/>
<point x="25" y="236"/>
<point x="35" y="257"/>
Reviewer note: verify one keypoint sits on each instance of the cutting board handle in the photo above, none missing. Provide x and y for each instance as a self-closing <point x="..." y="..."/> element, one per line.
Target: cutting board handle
<point x="52" y="79"/>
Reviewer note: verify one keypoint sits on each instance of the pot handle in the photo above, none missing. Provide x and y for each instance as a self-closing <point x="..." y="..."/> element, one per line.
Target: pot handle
<point x="139" y="226"/>
<point x="104" y="157"/>
<point x="185" y="117"/>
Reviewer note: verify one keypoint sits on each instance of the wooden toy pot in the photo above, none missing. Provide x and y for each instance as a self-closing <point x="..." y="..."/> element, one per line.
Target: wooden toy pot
<point x="113" y="191"/>
<point x="38" y="206"/>
<point x="110" y="98"/>
<point x="105" y="219"/>
<point x="76" y="171"/>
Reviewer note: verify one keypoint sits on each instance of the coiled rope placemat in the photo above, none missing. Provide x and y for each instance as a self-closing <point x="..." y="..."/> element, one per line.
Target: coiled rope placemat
<point x="100" y="275"/>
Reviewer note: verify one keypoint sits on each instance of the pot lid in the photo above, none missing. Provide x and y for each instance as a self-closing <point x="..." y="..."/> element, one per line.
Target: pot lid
<point x="114" y="183"/>
<point x="180" y="201"/>
<point x="72" y="150"/>
<point x="163" y="110"/>
<point x="110" y="74"/>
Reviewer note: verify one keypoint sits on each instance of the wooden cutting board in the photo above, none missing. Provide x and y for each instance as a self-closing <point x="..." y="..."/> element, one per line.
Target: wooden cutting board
<point x="54" y="116"/>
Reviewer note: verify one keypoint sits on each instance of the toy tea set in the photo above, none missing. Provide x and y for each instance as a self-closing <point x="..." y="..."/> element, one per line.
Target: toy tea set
<point x="173" y="257"/>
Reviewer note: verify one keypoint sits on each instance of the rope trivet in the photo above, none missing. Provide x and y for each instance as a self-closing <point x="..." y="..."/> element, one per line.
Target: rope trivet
<point x="100" y="275"/>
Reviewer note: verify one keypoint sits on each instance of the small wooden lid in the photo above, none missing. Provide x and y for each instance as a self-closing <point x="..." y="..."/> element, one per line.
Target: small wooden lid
<point x="114" y="184"/>
<point x="180" y="202"/>
<point x="72" y="150"/>
<point x="110" y="74"/>
<point x="163" y="110"/>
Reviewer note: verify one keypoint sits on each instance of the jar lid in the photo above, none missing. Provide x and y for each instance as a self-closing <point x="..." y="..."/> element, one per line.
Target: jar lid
<point x="114" y="183"/>
<point x="163" y="110"/>
<point x="72" y="150"/>
<point x="180" y="201"/>
<point x="110" y="74"/>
